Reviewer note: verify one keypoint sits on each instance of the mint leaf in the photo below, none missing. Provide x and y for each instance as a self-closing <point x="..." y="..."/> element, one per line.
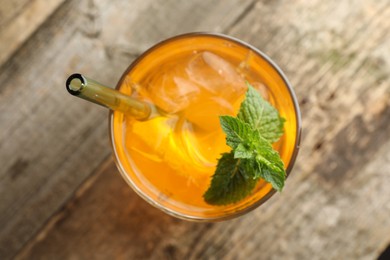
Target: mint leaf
<point x="270" y="166"/>
<point x="261" y="115"/>
<point x="231" y="182"/>
<point x="242" y="151"/>
<point x="250" y="135"/>
<point x="276" y="180"/>
<point x="236" y="131"/>
<point x="267" y="162"/>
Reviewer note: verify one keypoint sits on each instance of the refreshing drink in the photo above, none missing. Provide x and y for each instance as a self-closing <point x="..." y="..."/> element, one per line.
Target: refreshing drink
<point x="193" y="79"/>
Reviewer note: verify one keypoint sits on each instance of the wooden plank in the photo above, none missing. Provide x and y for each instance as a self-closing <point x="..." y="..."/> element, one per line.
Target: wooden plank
<point x="50" y="142"/>
<point x="335" y="204"/>
<point x="10" y="10"/>
<point x="19" y="19"/>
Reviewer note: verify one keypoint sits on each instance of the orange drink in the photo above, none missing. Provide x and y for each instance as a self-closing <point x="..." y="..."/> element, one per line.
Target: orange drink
<point x="193" y="79"/>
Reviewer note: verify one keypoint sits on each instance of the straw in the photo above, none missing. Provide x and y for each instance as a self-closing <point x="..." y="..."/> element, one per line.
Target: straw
<point x="88" y="89"/>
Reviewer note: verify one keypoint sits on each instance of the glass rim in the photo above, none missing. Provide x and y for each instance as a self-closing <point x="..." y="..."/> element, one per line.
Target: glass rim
<point x="256" y="203"/>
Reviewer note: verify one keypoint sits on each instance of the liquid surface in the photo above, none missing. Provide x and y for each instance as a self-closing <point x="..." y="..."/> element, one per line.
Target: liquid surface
<point x="178" y="153"/>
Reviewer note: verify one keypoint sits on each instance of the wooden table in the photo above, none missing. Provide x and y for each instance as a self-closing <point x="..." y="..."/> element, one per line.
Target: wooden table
<point x="61" y="196"/>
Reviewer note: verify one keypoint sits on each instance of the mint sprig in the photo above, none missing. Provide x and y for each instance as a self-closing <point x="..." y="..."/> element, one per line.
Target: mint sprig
<point x="250" y="135"/>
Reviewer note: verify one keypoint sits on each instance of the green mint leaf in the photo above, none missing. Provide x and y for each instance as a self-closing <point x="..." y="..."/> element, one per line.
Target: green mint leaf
<point x="270" y="165"/>
<point x="250" y="135"/>
<point x="231" y="182"/>
<point x="276" y="180"/>
<point x="266" y="162"/>
<point x="236" y="131"/>
<point x="243" y="152"/>
<point x="268" y="156"/>
<point x="261" y="115"/>
<point x="238" y="134"/>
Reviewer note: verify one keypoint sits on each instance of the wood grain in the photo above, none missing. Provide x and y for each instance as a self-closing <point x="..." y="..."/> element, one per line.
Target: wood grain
<point x="335" y="204"/>
<point x="50" y="142"/>
<point x="19" y="19"/>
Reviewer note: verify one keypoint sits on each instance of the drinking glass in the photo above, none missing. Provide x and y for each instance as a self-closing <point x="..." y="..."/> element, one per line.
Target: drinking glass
<point x="191" y="79"/>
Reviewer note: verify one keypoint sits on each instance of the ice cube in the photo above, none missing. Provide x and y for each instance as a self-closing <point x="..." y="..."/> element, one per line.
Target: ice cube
<point x="216" y="75"/>
<point x="262" y="89"/>
<point x="170" y="90"/>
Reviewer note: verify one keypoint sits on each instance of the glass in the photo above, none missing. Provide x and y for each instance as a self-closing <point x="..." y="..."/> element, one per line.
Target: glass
<point x="169" y="160"/>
